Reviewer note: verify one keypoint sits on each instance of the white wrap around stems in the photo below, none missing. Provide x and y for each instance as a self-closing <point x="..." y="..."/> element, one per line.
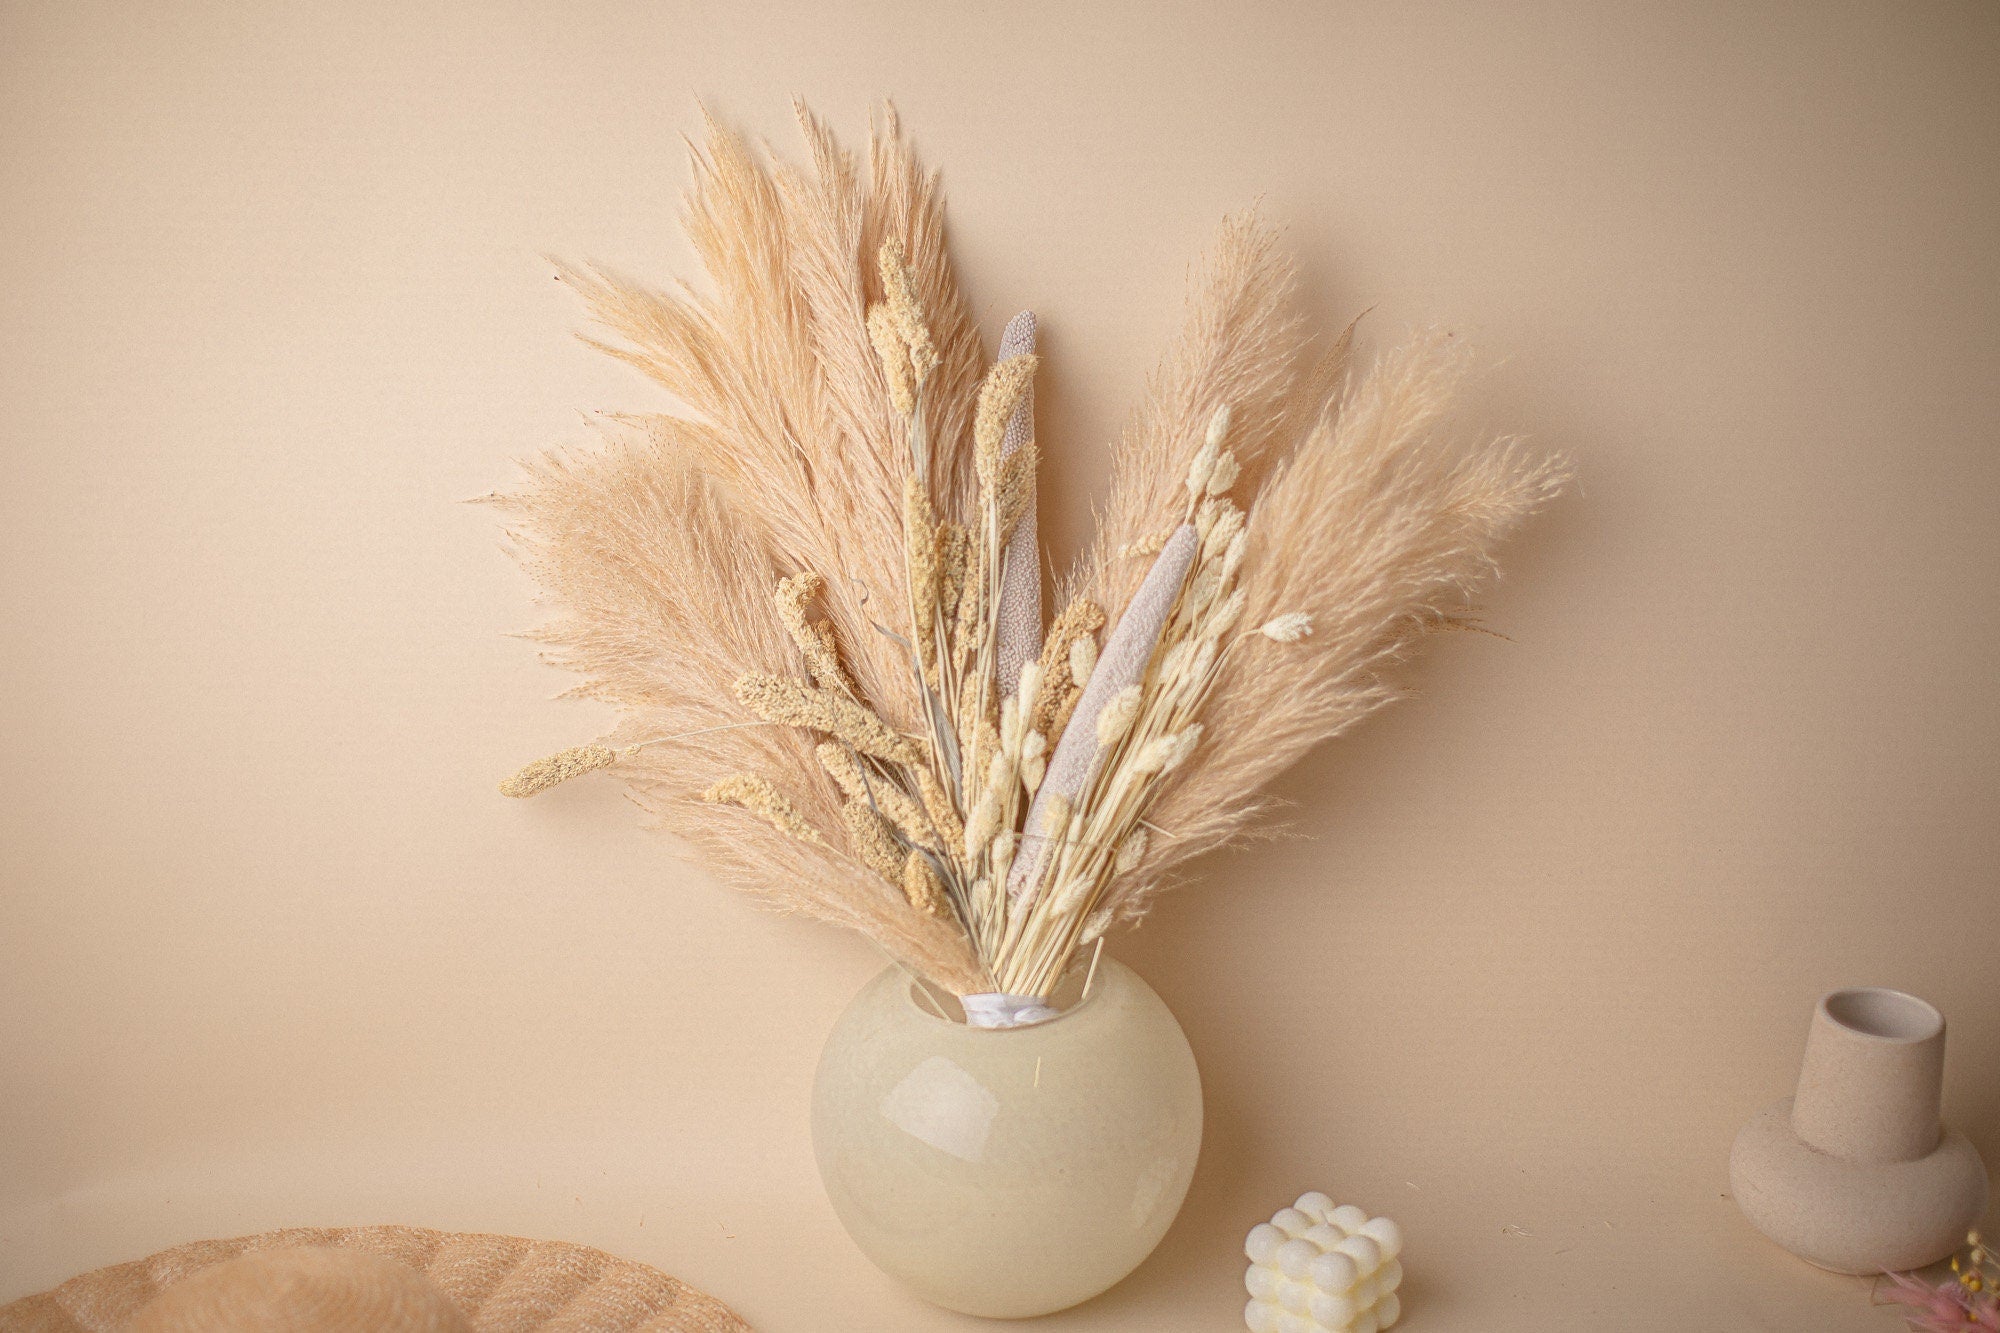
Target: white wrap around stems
<point x="997" y="1009"/>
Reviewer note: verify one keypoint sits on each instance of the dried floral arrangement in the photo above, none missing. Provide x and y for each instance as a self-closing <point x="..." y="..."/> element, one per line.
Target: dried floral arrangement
<point x="814" y="588"/>
<point x="1966" y="1302"/>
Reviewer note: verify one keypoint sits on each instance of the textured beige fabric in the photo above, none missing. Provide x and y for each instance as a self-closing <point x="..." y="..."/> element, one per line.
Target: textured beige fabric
<point x="313" y="1289"/>
<point x="503" y="1284"/>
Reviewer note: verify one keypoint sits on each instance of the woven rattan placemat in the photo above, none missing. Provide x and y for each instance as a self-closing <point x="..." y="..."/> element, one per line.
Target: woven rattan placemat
<point x="503" y="1284"/>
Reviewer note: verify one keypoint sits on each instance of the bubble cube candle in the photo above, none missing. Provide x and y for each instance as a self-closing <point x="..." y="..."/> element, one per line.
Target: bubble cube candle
<point x="1315" y="1268"/>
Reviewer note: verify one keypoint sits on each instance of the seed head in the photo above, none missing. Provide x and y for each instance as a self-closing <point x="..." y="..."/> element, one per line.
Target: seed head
<point x="558" y="768"/>
<point x="1288" y="628"/>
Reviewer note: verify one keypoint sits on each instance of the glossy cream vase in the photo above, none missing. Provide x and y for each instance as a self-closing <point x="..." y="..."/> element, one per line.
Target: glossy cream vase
<point x="1856" y="1173"/>
<point x="1008" y="1172"/>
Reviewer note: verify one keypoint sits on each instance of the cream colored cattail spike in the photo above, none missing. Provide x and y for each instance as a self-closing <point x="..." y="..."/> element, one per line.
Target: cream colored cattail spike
<point x="1122" y="664"/>
<point x="1020" y="612"/>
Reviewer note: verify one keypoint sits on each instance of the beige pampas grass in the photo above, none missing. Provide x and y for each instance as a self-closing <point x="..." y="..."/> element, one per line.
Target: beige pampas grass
<point x="1378" y="529"/>
<point x="813" y="588"/>
<point x="1243" y="347"/>
<point x="638" y="551"/>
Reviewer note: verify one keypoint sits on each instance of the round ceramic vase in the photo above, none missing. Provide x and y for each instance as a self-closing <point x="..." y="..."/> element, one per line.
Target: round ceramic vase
<point x="1007" y="1172"/>
<point x="1855" y="1173"/>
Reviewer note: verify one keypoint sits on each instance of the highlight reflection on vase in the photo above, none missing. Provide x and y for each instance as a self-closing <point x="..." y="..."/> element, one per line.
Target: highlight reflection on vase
<point x="1007" y="1172"/>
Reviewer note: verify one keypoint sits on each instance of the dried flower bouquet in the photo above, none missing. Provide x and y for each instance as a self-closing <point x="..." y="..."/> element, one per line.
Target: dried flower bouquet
<point x="815" y="590"/>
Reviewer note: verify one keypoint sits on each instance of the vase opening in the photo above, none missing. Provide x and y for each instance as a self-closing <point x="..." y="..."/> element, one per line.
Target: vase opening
<point x="1888" y="1015"/>
<point x="941" y="1006"/>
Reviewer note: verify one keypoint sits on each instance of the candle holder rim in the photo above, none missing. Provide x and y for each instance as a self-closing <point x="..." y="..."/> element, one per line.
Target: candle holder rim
<point x="1928" y="1020"/>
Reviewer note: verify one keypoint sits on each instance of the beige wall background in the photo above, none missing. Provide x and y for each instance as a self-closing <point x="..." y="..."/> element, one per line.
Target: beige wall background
<point x="272" y="951"/>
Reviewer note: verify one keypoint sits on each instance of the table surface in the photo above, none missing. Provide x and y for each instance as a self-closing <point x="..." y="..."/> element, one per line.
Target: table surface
<point x="1628" y="1250"/>
<point x="272" y="951"/>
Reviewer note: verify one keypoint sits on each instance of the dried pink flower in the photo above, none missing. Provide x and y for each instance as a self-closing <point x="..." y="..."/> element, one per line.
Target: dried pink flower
<point x="1949" y="1307"/>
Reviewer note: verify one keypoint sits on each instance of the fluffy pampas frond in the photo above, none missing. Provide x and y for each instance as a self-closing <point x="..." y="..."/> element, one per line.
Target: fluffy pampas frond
<point x="1378" y="528"/>
<point x="786" y="407"/>
<point x="666" y="600"/>
<point x="1243" y="347"/>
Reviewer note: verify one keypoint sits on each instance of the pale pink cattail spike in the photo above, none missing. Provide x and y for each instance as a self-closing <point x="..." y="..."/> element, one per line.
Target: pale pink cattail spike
<point x="1020" y="613"/>
<point x="1120" y="666"/>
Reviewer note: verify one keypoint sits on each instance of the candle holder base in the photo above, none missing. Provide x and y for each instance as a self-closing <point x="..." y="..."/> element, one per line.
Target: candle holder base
<point x="1855" y="1217"/>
